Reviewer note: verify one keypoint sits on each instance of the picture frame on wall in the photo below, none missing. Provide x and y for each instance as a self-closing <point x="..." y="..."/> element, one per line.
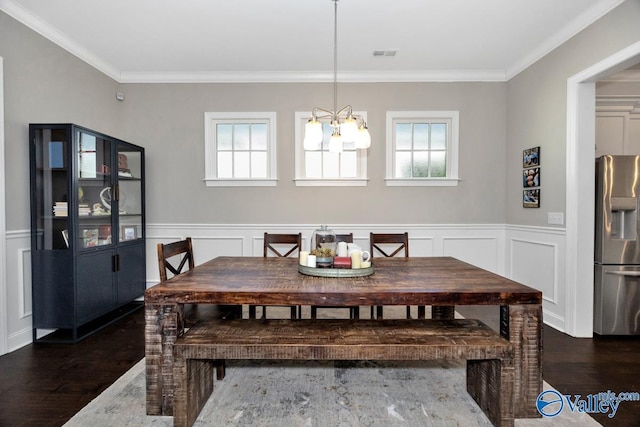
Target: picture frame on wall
<point x="531" y="157"/>
<point x="531" y="177"/>
<point x="531" y="198"/>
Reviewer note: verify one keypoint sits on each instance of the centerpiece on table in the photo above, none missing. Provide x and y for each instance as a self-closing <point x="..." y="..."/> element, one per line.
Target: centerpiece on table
<point x="323" y="246"/>
<point x="329" y="258"/>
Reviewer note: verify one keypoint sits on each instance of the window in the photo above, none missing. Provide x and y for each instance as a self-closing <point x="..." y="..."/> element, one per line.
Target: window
<point x="240" y="149"/>
<point x="323" y="168"/>
<point x="422" y="148"/>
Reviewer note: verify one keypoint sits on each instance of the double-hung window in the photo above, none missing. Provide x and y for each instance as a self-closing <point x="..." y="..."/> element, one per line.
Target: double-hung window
<point x="422" y="148"/>
<point x="240" y="149"/>
<point x="322" y="167"/>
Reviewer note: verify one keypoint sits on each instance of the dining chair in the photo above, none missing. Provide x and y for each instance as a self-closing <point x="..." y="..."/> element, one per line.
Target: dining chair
<point x="354" y="311"/>
<point x="173" y="258"/>
<point x="390" y="245"/>
<point x="280" y="245"/>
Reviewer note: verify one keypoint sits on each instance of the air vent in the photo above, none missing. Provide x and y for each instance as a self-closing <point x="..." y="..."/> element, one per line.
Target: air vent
<point x="388" y="52"/>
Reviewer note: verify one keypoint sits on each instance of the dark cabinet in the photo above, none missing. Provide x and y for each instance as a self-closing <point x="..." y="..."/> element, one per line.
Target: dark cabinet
<point x="87" y="230"/>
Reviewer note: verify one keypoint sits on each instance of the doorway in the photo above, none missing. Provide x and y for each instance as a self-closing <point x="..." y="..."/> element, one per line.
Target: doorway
<point x="580" y="197"/>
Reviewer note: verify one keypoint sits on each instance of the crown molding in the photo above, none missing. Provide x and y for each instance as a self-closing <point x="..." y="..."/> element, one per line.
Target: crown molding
<point x="41" y="27"/>
<point x="314" y="77"/>
<point x="555" y="40"/>
<point x="618" y="104"/>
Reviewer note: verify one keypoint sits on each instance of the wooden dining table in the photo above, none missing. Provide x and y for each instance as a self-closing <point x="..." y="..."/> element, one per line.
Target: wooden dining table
<point x="439" y="282"/>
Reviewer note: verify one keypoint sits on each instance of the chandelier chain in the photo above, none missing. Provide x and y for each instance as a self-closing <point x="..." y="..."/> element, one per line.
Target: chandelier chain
<point x="352" y="127"/>
<point x="335" y="59"/>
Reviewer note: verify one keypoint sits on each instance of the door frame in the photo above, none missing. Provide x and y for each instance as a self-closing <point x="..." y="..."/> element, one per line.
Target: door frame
<point x="3" y="228"/>
<point x="580" y="190"/>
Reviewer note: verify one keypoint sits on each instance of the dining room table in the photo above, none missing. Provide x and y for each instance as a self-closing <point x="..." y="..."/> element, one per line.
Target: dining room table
<point x="439" y="282"/>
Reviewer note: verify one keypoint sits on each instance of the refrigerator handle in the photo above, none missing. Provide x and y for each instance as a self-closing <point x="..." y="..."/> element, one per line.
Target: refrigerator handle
<point x="625" y="273"/>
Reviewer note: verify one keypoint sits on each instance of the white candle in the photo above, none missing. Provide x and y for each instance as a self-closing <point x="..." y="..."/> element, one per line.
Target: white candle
<point x="304" y="257"/>
<point x="311" y="261"/>
<point x="342" y="249"/>
<point x="365" y="264"/>
<point x="356" y="259"/>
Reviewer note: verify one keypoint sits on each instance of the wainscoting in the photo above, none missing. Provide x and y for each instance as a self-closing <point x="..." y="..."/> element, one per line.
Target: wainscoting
<point x="530" y="255"/>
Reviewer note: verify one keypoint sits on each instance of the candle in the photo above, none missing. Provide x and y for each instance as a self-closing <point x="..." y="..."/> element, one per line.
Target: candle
<point x="342" y="249"/>
<point x="356" y="259"/>
<point x="311" y="261"/>
<point x="304" y="257"/>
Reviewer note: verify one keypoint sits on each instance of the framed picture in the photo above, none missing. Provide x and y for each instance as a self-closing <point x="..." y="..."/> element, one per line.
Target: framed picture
<point x="531" y="157"/>
<point x="531" y="177"/>
<point x="531" y="198"/>
<point x="128" y="232"/>
<point x="89" y="237"/>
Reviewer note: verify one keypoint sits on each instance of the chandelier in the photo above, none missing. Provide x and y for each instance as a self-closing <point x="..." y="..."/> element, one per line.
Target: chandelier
<point x="346" y="126"/>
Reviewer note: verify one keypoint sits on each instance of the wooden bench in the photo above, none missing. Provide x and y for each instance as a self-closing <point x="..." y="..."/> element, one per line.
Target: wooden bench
<point x="490" y="371"/>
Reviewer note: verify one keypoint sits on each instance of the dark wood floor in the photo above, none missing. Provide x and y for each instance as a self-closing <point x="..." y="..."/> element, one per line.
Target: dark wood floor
<point x="46" y="384"/>
<point x="585" y="366"/>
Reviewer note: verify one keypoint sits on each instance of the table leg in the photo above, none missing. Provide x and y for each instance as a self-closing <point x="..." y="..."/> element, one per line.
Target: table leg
<point x="522" y="325"/>
<point x="163" y="324"/>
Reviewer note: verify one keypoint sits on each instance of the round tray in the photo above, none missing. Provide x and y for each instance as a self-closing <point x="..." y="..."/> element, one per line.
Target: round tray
<point x="335" y="272"/>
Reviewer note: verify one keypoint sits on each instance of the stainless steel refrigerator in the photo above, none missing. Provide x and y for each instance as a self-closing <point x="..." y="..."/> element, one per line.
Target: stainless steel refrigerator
<point x="617" y="246"/>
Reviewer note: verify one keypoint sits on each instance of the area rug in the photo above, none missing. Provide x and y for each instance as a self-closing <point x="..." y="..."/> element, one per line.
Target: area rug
<point x="317" y="393"/>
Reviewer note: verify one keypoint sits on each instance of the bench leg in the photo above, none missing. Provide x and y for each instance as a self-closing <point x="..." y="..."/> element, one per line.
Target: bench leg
<point x="443" y="312"/>
<point x="252" y="312"/>
<point x="490" y="383"/>
<point x="193" y="384"/>
<point x="422" y="312"/>
<point x="221" y="369"/>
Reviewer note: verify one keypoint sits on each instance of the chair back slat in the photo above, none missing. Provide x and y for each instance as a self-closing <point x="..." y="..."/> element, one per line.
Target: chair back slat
<point x="347" y="238"/>
<point x="378" y="239"/>
<point x="271" y="239"/>
<point x="167" y="253"/>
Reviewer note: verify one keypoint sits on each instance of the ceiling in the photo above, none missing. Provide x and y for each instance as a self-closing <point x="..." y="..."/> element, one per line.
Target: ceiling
<point x="292" y="40"/>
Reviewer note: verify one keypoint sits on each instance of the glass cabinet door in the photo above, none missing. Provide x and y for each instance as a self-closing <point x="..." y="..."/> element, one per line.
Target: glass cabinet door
<point x="130" y="170"/>
<point x="50" y="176"/>
<point x="95" y="190"/>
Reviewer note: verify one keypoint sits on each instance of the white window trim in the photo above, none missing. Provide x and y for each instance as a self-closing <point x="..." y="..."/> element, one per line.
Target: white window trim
<point x="210" y="153"/>
<point x="452" y="159"/>
<point x="301" y="181"/>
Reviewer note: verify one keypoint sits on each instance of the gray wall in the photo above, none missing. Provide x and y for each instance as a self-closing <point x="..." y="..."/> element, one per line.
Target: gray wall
<point x="537" y="109"/>
<point x="167" y="119"/>
<point x="45" y="84"/>
<point x="613" y="88"/>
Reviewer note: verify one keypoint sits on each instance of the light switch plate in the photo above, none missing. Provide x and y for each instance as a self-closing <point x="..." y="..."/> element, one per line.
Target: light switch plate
<point x="555" y="218"/>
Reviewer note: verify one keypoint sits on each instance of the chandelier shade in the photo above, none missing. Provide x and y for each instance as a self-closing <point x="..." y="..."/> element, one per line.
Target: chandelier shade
<point x="312" y="135"/>
<point x="347" y="127"/>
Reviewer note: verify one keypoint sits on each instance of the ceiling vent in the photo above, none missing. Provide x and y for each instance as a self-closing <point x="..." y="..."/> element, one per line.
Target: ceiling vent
<point x="388" y="52"/>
